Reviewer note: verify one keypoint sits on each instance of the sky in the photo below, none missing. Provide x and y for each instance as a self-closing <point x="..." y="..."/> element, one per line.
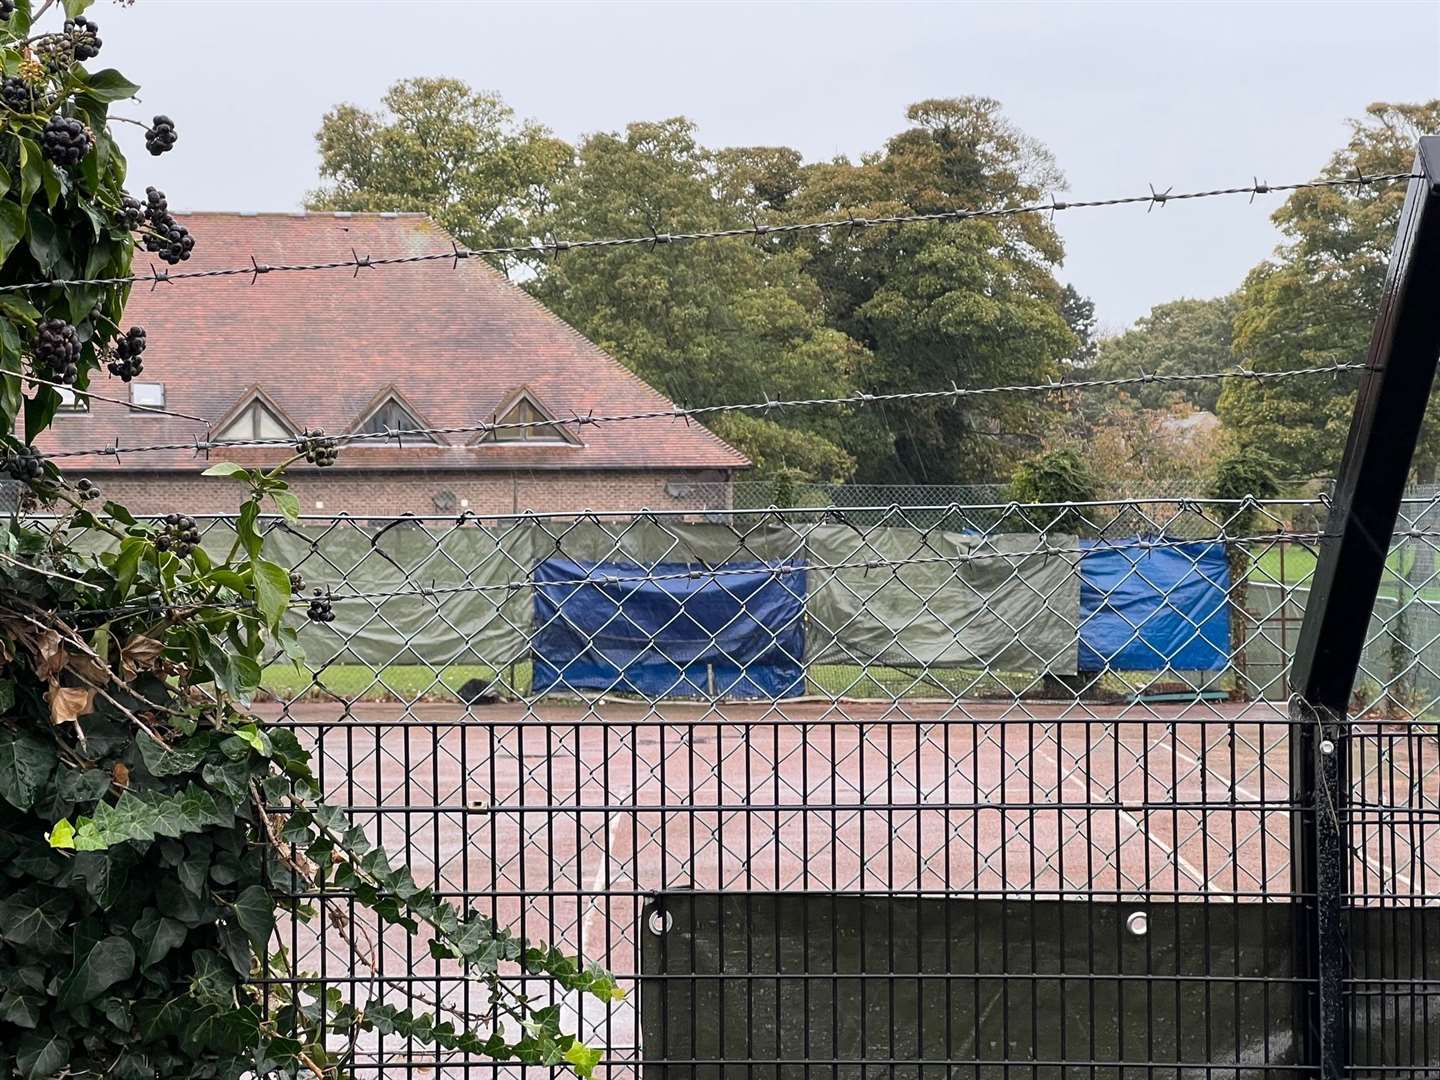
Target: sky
<point x="1125" y="94"/>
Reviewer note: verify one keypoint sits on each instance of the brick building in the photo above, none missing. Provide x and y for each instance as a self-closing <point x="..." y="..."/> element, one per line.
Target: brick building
<point x="432" y="345"/>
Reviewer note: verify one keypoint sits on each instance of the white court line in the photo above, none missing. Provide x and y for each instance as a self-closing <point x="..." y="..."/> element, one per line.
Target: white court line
<point x="1247" y="793"/>
<point x="1135" y="823"/>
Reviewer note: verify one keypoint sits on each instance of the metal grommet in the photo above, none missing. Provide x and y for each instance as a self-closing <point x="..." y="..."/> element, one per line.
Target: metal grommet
<point x="1327" y="747"/>
<point x="1138" y="923"/>
<point x="659" y="922"/>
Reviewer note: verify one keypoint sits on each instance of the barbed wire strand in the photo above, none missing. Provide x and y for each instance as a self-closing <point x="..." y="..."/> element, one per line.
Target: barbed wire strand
<point x="553" y="248"/>
<point x="398" y="435"/>
<point x="114" y="401"/>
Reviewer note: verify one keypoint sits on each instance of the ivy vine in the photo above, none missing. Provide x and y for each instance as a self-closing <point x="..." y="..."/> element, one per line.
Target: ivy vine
<point x="154" y="832"/>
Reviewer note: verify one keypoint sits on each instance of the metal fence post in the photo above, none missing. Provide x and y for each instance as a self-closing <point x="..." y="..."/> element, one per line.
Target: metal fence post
<point x="1384" y="431"/>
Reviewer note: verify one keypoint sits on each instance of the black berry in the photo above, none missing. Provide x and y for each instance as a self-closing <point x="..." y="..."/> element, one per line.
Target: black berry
<point x="160" y="136"/>
<point x="319" y="449"/>
<point x="65" y="140"/>
<point x="297" y="583"/>
<point x="56" y="351"/>
<point x="127" y="363"/>
<point x="86" y="489"/>
<point x="84" y="38"/>
<point x="7" y="8"/>
<point x="321" y="609"/>
<point x="25" y="464"/>
<point x="17" y="95"/>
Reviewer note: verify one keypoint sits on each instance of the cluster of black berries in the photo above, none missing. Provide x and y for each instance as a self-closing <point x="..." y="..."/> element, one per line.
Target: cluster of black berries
<point x="17" y="95"/>
<point x="319" y="449"/>
<point x="25" y="464"/>
<point x="296" y="581"/>
<point x="7" y="8"/>
<point x="171" y="240"/>
<point x="321" y="609"/>
<point x="56" y="350"/>
<point x="84" y="38"/>
<point x="127" y="363"/>
<point x="86" y="489"/>
<point x="179" y="535"/>
<point x="160" y="136"/>
<point x="132" y="212"/>
<point x="65" y="140"/>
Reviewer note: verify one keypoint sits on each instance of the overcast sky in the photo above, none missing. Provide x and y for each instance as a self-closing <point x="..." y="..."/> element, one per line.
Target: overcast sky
<point x="1125" y="94"/>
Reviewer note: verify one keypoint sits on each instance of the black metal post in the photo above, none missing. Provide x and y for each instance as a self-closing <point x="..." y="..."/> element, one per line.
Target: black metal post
<point x="1384" y="431"/>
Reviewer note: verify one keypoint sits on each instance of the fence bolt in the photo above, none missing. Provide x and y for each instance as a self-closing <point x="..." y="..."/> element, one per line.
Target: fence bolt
<point x="1138" y="923"/>
<point x="1327" y="747"/>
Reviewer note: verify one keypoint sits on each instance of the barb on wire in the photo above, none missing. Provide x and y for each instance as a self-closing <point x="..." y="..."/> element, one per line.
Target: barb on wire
<point x="114" y="401"/>
<point x="767" y="406"/>
<point x="550" y="247"/>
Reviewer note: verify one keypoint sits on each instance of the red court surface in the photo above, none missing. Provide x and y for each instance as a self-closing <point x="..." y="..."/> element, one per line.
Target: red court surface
<point x="562" y="818"/>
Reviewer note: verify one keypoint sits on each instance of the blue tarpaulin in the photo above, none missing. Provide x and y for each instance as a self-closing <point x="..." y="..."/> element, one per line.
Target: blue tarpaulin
<point x="735" y="630"/>
<point x="1146" y="608"/>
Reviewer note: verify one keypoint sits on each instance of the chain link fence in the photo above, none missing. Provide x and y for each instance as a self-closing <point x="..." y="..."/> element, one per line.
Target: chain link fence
<point x="860" y="790"/>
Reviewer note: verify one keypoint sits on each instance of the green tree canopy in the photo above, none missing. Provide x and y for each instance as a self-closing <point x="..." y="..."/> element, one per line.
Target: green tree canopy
<point x="1182" y="337"/>
<point x="970" y="303"/>
<point x="1315" y="302"/>
<point x="710" y="323"/>
<point x="440" y="147"/>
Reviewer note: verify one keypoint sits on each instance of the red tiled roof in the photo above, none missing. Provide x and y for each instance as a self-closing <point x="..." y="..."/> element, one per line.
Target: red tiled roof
<point x="455" y="342"/>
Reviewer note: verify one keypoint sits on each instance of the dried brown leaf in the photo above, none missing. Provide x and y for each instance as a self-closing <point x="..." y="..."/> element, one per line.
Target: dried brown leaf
<point x="69" y="703"/>
<point x="90" y="670"/>
<point x="50" y="655"/>
<point x="140" y="653"/>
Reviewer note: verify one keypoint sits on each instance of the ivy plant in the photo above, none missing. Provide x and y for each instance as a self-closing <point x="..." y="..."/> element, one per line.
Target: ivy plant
<point x="154" y="832"/>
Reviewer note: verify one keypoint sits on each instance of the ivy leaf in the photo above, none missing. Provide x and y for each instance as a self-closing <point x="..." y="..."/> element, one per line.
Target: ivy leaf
<point x="254" y="910"/>
<point x="76" y="7"/>
<point x="245" y="526"/>
<point x="40" y="1057"/>
<point x="62" y="835"/>
<point x="12" y="227"/>
<point x="44" y="240"/>
<point x="32" y="170"/>
<point x="26" y="764"/>
<point x="272" y="591"/>
<point x="109" y="85"/>
<point x="157" y="935"/>
<point x="17" y="307"/>
<point x="582" y="1058"/>
<point x="22" y="1007"/>
<point x="227" y="468"/>
<point x="288" y="504"/>
<point x="34" y="918"/>
<point x="106" y="963"/>
<point x="244" y="673"/>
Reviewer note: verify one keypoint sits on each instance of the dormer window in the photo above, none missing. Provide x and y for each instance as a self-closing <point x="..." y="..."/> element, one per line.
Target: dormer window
<point x="522" y="419"/>
<point x="256" y="420"/>
<point x="392" y="414"/>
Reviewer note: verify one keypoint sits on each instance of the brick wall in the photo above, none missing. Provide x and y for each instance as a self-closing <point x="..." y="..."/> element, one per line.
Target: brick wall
<point x="386" y="493"/>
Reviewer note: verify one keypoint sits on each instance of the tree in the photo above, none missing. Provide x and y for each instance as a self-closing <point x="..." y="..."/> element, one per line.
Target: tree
<point x="970" y="303"/>
<point x="1181" y="337"/>
<point x="1079" y="314"/>
<point x="439" y="147"/>
<point x="708" y="324"/>
<point x="153" y="830"/>
<point x="1315" y="302"/>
